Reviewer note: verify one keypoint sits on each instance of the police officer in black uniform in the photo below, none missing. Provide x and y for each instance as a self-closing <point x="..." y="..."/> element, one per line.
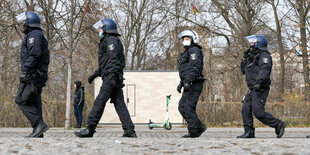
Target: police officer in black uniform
<point x="35" y="59"/>
<point x="256" y="65"/>
<point x="111" y="62"/>
<point x="190" y="72"/>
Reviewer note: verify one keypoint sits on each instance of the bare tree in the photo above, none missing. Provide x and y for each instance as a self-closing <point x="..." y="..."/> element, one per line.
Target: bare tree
<point x="301" y="9"/>
<point x="278" y="31"/>
<point x="70" y="29"/>
<point x="139" y="23"/>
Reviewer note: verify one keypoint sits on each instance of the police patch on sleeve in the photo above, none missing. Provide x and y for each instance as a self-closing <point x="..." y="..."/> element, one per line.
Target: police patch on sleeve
<point x="111" y="47"/>
<point x="265" y="60"/>
<point x="31" y="40"/>
<point x="193" y="56"/>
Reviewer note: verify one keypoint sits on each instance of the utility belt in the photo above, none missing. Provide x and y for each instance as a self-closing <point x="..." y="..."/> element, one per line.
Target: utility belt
<point x="113" y="76"/>
<point x="197" y="79"/>
<point x="262" y="89"/>
<point x="33" y="75"/>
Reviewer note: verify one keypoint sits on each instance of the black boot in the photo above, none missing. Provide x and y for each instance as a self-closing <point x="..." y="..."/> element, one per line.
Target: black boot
<point x="202" y="128"/>
<point x="247" y="134"/>
<point x="38" y="131"/>
<point x="280" y="129"/>
<point x="191" y="135"/>
<point x="30" y="136"/>
<point x="130" y="134"/>
<point x="84" y="133"/>
<point x="188" y="135"/>
<point x="308" y="136"/>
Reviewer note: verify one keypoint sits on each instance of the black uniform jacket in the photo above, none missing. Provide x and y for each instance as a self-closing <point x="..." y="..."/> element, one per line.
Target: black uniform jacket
<point x="191" y="64"/>
<point x="257" y="69"/>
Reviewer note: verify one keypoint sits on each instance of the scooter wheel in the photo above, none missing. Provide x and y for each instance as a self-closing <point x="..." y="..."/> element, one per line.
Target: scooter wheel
<point x="150" y="127"/>
<point x="168" y="127"/>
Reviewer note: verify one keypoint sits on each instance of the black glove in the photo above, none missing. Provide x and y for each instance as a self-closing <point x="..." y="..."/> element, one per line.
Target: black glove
<point x="25" y="78"/>
<point x="25" y="93"/>
<point x="180" y="87"/>
<point x="91" y="78"/>
<point x="186" y="86"/>
<point x="246" y="54"/>
<point x="256" y="87"/>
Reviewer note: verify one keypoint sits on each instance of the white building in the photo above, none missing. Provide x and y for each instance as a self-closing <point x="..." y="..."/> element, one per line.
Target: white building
<point x="145" y="96"/>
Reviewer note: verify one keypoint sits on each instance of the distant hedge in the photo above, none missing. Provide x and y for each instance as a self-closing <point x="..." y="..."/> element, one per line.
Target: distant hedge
<point x="292" y="110"/>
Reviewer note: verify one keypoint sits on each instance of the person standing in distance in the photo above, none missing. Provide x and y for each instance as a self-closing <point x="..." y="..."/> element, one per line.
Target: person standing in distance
<point x="78" y="103"/>
<point x="111" y="62"/>
<point x="190" y="72"/>
<point x="256" y="65"/>
<point x="35" y="58"/>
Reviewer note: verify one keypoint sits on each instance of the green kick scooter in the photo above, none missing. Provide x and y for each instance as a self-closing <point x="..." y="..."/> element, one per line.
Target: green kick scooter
<point x="166" y="125"/>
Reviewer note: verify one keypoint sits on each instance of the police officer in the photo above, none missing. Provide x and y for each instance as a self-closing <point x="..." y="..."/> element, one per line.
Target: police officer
<point x="256" y="65"/>
<point x="111" y="62"/>
<point x="35" y="59"/>
<point x="78" y="103"/>
<point x="190" y="72"/>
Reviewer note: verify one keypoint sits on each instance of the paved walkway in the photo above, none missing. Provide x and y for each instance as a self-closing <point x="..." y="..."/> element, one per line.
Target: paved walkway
<point x="108" y="140"/>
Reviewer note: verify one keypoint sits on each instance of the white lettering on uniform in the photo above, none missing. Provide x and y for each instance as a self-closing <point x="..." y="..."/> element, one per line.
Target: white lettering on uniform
<point x="111" y="47"/>
<point x="31" y="40"/>
<point x="265" y="60"/>
<point x="193" y="56"/>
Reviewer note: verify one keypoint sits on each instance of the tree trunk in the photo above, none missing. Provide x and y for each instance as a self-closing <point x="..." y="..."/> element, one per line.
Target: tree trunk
<point x="68" y="101"/>
<point x="303" y="38"/>
<point x="281" y="52"/>
<point x="71" y="42"/>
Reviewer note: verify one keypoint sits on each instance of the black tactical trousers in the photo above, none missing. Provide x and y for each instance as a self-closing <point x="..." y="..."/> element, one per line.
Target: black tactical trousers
<point x="33" y="109"/>
<point x="110" y="89"/>
<point x="254" y="103"/>
<point x="187" y="106"/>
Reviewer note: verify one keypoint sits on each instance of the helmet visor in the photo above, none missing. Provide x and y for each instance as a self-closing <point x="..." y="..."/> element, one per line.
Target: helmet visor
<point x="21" y="17"/>
<point x="251" y="40"/>
<point x="98" y="25"/>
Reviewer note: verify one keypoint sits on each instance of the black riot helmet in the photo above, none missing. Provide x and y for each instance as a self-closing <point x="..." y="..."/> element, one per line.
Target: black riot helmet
<point x="31" y="19"/>
<point x="257" y="41"/>
<point x="107" y="25"/>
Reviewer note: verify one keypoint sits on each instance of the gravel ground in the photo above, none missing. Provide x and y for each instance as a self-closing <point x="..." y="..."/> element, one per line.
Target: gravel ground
<point x="108" y="140"/>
